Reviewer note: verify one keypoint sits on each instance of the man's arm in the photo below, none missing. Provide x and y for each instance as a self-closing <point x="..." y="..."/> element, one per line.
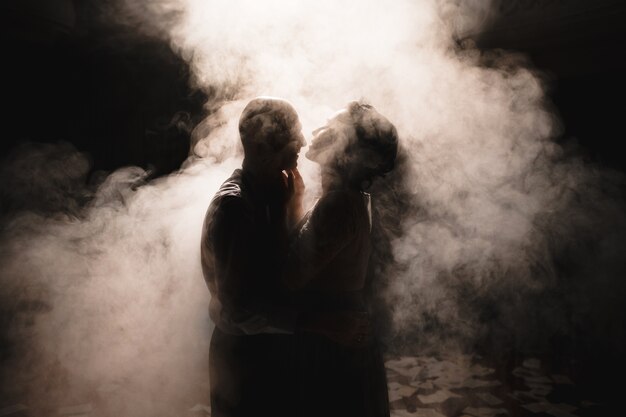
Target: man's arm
<point x="242" y="310"/>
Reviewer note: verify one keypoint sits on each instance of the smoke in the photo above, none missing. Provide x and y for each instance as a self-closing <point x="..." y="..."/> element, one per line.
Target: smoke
<point x="102" y="281"/>
<point x="105" y="294"/>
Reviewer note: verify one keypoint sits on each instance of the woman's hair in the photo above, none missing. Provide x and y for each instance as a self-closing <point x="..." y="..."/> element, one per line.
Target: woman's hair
<point x="372" y="153"/>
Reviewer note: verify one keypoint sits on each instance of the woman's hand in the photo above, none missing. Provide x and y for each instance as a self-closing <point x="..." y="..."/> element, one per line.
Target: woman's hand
<point x="295" y="194"/>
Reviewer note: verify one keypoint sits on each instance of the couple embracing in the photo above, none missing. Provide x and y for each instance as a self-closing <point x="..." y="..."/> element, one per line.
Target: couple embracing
<point x="292" y="335"/>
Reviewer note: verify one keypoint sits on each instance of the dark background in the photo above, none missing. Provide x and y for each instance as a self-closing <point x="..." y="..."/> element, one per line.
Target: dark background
<point x="580" y="47"/>
<point x="73" y="75"/>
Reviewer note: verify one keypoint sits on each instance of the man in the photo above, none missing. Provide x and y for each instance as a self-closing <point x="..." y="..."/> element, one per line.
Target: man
<point x="243" y="247"/>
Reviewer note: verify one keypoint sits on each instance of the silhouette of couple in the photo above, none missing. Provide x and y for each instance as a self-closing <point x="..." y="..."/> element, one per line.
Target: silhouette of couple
<point x="292" y="335"/>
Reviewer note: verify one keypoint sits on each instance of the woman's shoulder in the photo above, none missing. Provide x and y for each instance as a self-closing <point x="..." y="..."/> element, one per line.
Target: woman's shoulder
<point x="343" y="197"/>
<point x="338" y="204"/>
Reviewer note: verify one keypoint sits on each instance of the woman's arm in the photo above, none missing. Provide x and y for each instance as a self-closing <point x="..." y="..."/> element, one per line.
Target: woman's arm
<point x="295" y="191"/>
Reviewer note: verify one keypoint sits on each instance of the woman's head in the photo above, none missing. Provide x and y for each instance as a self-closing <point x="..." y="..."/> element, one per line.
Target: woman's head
<point x="358" y="143"/>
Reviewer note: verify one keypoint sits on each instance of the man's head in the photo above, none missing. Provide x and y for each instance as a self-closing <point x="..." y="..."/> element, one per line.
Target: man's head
<point x="271" y="134"/>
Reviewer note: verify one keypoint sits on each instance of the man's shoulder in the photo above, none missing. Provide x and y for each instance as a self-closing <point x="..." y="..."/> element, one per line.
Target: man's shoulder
<point x="232" y="187"/>
<point x="231" y="195"/>
<point x="232" y="191"/>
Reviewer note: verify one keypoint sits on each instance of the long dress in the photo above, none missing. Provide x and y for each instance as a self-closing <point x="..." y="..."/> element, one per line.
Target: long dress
<point x="328" y="263"/>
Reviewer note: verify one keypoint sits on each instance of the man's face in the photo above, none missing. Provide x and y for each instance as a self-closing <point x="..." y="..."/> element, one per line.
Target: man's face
<point x="275" y="141"/>
<point x="286" y="148"/>
<point x="290" y="152"/>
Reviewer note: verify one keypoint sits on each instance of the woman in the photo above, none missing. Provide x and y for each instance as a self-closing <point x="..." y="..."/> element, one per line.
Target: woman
<point x="341" y="375"/>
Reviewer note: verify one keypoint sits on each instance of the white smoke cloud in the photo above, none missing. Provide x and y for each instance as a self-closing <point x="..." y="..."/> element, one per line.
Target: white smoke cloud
<point x="488" y="190"/>
<point x="124" y="310"/>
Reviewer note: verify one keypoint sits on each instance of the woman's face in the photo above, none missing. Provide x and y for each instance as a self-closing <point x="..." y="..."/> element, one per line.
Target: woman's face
<point x="332" y="138"/>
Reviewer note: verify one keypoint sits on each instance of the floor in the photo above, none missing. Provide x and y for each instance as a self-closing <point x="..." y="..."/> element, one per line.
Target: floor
<point x="419" y="386"/>
<point x="463" y="386"/>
